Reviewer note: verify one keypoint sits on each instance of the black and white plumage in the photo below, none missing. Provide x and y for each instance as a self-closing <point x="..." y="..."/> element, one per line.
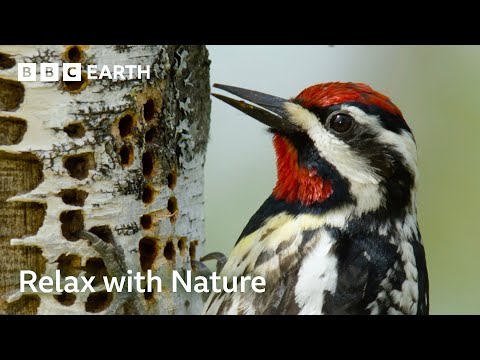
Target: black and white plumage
<point x="339" y="234"/>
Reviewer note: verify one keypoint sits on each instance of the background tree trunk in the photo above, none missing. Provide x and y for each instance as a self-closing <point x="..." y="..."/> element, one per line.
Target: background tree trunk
<point x="123" y="160"/>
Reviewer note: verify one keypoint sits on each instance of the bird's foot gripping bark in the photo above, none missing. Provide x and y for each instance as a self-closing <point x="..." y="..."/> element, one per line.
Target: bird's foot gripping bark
<point x="200" y="269"/>
<point x="114" y="260"/>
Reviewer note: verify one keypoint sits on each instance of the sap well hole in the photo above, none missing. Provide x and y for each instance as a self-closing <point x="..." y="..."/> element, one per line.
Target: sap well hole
<point x="172" y="180"/>
<point x="69" y="265"/>
<point x="148" y="194"/>
<point x="148" y="110"/>
<point x="126" y="155"/>
<point x="146" y="222"/>
<point x="103" y="232"/>
<point x="72" y="223"/>
<point x="169" y="251"/>
<point x="182" y="245"/>
<point x="96" y="267"/>
<point x="79" y="165"/>
<point x="148" y="249"/>
<point x="98" y="301"/>
<point x="125" y="125"/>
<point x="148" y="163"/>
<point x="148" y="295"/>
<point x="6" y="61"/>
<point x="75" y="130"/>
<point x="193" y="249"/>
<point x="172" y="207"/>
<point x="74" y="197"/>
<point x="74" y="54"/>
<point x="149" y="135"/>
<point x="76" y="86"/>
<point x="66" y="299"/>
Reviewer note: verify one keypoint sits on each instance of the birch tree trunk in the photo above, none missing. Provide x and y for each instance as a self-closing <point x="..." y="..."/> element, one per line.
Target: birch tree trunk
<point x="123" y="160"/>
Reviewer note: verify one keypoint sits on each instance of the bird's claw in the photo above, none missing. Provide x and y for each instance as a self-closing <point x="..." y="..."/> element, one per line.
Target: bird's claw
<point x="114" y="260"/>
<point x="201" y="269"/>
<point x="219" y="257"/>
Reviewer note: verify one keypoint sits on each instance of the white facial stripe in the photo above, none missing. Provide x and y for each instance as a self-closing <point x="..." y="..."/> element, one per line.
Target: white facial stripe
<point x="336" y="152"/>
<point x="360" y="117"/>
<point x="369" y="197"/>
<point x="403" y="142"/>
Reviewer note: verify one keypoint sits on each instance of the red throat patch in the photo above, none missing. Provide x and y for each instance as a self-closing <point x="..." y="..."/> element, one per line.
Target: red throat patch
<point x="296" y="183"/>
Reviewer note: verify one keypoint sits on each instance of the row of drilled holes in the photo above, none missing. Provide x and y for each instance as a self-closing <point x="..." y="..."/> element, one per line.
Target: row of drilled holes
<point x="149" y="249"/>
<point x="126" y="126"/>
<point x="172" y="206"/>
<point x="73" y="221"/>
<point x="69" y="265"/>
<point x="148" y="246"/>
<point x="78" y="167"/>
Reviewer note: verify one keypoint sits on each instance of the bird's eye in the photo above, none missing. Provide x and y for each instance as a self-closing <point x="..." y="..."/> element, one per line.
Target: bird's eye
<point x="340" y="122"/>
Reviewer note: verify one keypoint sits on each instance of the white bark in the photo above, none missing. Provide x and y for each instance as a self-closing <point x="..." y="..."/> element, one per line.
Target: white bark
<point x="180" y="123"/>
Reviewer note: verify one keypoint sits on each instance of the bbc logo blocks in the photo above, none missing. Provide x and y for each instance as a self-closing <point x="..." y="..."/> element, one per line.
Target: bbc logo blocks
<point x="49" y="72"/>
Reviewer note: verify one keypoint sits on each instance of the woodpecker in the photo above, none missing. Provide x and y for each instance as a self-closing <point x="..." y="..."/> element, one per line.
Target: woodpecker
<point x="339" y="233"/>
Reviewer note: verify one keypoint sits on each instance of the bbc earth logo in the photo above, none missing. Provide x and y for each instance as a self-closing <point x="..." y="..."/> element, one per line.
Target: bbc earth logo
<point x="51" y="72"/>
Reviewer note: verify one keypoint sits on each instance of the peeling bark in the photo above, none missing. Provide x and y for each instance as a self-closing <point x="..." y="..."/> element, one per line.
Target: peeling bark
<point x="123" y="160"/>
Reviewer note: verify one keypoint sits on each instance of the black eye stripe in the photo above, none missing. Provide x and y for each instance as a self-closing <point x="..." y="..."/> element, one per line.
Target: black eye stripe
<point x="389" y="121"/>
<point x="322" y="113"/>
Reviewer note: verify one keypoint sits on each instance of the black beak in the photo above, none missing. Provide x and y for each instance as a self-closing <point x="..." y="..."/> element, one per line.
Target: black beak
<point x="273" y="113"/>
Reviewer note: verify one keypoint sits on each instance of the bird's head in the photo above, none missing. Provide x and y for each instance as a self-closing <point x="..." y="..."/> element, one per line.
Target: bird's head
<point x="337" y="143"/>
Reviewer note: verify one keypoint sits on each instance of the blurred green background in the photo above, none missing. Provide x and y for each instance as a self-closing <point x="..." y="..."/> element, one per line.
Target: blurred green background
<point x="438" y="90"/>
